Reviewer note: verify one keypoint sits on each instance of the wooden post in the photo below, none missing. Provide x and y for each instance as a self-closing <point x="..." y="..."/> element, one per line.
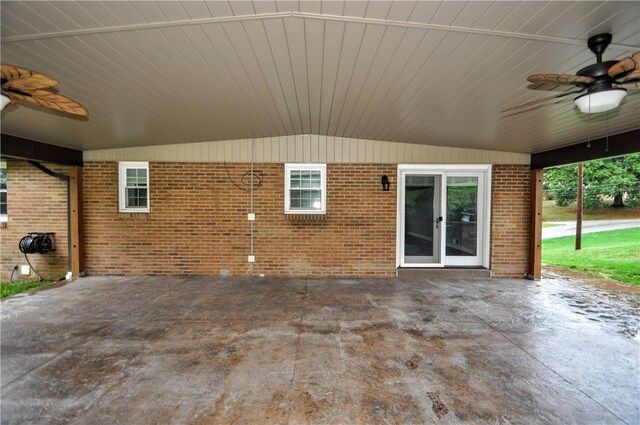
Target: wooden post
<point x="535" y="234"/>
<point x="579" y="210"/>
<point x="77" y="230"/>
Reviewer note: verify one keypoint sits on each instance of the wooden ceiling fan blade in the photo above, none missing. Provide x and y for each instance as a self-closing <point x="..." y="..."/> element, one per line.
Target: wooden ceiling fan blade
<point x="632" y="85"/>
<point x="544" y="99"/>
<point x="635" y="75"/>
<point x="9" y="72"/>
<point x="631" y="81"/>
<point x="13" y="99"/>
<point x="52" y="101"/>
<point x="34" y="82"/>
<point x="25" y="79"/>
<point x="559" y="79"/>
<point x="627" y="64"/>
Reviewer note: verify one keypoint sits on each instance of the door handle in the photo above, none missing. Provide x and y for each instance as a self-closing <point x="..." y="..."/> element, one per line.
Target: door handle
<point x="438" y="221"/>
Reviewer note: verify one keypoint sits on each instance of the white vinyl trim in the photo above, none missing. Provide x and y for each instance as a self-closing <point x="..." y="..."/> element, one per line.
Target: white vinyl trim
<point x="484" y="202"/>
<point x="308" y="149"/>
<point x="288" y="168"/>
<point x="122" y="185"/>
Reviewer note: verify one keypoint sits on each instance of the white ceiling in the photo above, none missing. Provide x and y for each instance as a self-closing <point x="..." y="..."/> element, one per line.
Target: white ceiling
<point x="436" y="73"/>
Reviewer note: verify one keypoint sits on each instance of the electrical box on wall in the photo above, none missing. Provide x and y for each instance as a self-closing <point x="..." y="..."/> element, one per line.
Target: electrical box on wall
<point x="25" y="270"/>
<point x="251" y="258"/>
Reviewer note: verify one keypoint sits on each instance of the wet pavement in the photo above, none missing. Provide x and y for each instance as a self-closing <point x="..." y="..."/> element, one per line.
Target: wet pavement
<point x="568" y="228"/>
<point x="157" y="350"/>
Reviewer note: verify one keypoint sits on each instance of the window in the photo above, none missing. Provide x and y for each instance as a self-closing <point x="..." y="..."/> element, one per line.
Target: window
<point x="3" y="192"/>
<point x="134" y="187"/>
<point x="305" y="189"/>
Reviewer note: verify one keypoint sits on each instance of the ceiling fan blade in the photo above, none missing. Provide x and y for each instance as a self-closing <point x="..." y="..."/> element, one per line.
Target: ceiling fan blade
<point x="631" y="81"/>
<point x="52" y="101"/>
<point x="632" y="85"/>
<point x="24" y="79"/>
<point x="9" y="72"/>
<point x="559" y="79"/>
<point x="12" y="99"/>
<point x="627" y="64"/>
<point x="33" y="82"/>
<point x="634" y="75"/>
<point x="544" y="99"/>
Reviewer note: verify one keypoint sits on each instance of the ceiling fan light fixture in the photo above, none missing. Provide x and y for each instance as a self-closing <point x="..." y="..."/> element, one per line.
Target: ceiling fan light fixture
<point x="600" y="101"/>
<point x="5" y="101"/>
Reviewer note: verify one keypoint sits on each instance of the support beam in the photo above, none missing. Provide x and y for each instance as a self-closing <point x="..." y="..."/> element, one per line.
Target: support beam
<point x="76" y="217"/>
<point x="616" y="145"/>
<point x="535" y="233"/>
<point x="30" y="150"/>
<point x="579" y="208"/>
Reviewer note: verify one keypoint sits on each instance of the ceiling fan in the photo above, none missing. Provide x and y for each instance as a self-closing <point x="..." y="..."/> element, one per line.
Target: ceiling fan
<point x="605" y="82"/>
<point x="22" y="85"/>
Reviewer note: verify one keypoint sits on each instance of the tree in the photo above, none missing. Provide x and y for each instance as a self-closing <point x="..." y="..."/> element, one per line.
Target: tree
<point x="613" y="177"/>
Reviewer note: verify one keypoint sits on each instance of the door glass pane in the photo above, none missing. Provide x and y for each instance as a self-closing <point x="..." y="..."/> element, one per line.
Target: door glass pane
<point x="462" y="216"/>
<point x="420" y="231"/>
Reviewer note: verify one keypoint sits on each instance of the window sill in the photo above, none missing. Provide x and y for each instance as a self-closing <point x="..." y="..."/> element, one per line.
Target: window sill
<point x="307" y="217"/>
<point x="133" y="215"/>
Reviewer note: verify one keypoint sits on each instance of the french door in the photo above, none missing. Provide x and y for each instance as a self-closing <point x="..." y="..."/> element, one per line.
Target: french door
<point x="443" y="216"/>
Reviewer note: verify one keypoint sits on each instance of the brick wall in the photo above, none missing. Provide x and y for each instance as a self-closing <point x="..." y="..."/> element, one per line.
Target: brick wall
<point x="198" y="223"/>
<point x="36" y="202"/>
<point x="510" y="220"/>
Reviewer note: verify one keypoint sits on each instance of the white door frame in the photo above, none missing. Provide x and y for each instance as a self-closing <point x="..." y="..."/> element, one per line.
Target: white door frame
<point x="484" y="202"/>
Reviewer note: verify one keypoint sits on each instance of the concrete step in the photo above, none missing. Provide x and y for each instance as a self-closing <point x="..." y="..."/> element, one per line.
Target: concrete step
<point x="443" y="273"/>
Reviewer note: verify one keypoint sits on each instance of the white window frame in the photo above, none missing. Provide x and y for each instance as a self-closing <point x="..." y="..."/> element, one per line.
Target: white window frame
<point x="484" y="204"/>
<point x="288" y="168"/>
<point x="4" y="218"/>
<point x="123" y="167"/>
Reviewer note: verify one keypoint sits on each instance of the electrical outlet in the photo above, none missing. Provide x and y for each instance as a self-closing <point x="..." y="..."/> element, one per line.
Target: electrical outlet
<point x="252" y="258"/>
<point x="251" y="216"/>
<point x="25" y="270"/>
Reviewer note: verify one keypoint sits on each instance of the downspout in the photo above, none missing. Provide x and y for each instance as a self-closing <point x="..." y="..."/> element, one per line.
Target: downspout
<point x="67" y="179"/>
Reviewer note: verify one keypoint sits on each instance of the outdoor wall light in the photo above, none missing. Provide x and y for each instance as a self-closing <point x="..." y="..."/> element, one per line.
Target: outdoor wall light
<point x="386" y="184"/>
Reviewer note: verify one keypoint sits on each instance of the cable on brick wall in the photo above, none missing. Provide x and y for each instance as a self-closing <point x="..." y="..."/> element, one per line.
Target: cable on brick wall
<point x="252" y="178"/>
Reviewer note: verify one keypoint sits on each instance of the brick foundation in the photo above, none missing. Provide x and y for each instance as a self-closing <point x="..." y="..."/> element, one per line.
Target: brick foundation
<point x="36" y="202"/>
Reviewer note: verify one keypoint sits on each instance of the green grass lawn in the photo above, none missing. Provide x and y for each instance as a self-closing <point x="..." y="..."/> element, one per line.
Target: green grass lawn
<point x="552" y="212"/>
<point x="612" y="255"/>
<point x="7" y="289"/>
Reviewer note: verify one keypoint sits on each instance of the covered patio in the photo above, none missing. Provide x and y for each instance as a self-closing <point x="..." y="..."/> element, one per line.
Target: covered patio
<point x="148" y="350"/>
<point x="309" y="142"/>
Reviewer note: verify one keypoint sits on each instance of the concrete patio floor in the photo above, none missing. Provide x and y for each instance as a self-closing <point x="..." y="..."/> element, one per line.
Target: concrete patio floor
<point x="158" y="350"/>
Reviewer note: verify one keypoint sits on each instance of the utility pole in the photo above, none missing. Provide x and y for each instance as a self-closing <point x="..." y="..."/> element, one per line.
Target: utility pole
<point x="579" y="210"/>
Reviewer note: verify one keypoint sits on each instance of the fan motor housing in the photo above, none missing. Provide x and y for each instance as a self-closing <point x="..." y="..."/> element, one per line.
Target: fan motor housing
<point x="597" y="70"/>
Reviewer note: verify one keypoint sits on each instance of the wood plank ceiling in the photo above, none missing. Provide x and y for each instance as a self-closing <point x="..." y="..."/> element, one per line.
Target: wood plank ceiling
<point x="436" y="73"/>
